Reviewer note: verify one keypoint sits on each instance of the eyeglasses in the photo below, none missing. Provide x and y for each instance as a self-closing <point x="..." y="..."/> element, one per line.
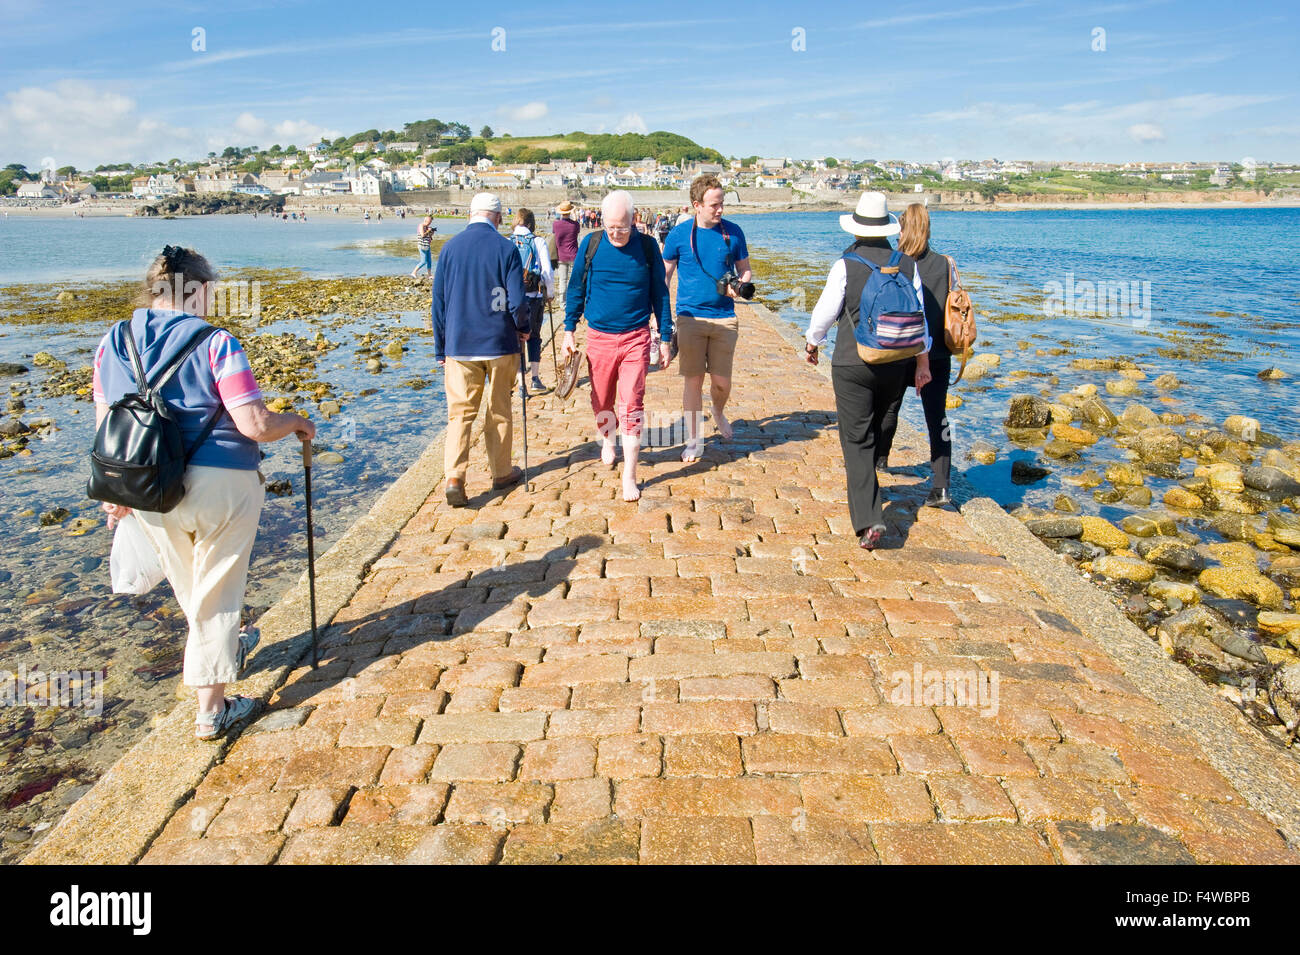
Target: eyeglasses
<point x="617" y="230"/>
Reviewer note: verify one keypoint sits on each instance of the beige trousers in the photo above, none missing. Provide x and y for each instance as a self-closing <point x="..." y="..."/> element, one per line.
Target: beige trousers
<point x="466" y="382"/>
<point x="203" y="545"/>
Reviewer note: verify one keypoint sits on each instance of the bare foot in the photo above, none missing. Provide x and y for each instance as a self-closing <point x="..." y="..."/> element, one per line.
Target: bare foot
<point x="631" y="492"/>
<point x="692" y="450"/>
<point x="608" y="453"/>
<point x="722" y="424"/>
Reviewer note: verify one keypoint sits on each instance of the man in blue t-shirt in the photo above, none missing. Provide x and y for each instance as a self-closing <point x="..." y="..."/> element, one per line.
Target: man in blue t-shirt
<point x="706" y="248"/>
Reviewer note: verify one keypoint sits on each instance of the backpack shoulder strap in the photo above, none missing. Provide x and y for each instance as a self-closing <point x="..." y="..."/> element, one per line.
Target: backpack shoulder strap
<point x="648" y="245"/>
<point x="169" y="370"/>
<point x="954" y="278"/>
<point x="141" y="379"/>
<point x="591" y="248"/>
<point x="858" y="258"/>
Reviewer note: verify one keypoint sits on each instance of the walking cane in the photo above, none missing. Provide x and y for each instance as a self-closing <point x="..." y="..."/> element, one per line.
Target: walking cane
<point x="523" y="398"/>
<point x="311" y="550"/>
<point x="550" y="313"/>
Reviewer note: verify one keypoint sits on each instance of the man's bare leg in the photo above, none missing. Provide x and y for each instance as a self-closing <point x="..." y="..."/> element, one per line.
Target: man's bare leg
<point x="631" y="449"/>
<point x="719" y="392"/>
<point x="692" y="405"/>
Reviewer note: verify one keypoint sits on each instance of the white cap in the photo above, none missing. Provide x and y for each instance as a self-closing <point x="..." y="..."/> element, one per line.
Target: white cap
<point x="485" y="202"/>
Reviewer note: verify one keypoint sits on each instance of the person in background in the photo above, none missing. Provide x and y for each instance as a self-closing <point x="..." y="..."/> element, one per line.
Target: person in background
<point x="935" y="271"/>
<point x="706" y="248"/>
<point x="480" y="320"/>
<point x="204" y="542"/>
<point x="863" y="391"/>
<point x="566" y="231"/>
<point x="623" y="286"/>
<point x="424" y="242"/>
<point x="538" y="285"/>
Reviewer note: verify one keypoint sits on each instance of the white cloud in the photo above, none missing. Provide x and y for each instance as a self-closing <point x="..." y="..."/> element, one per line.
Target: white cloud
<point x="1146" y="133"/>
<point x="631" y="123"/>
<point x="529" y="111"/>
<point x="81" y="124"/>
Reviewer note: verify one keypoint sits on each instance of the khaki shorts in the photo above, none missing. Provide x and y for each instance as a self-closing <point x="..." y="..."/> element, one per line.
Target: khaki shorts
<point x="706" y="345"/>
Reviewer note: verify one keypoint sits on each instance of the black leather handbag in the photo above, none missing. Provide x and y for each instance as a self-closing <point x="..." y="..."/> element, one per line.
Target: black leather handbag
<point x="139" y="457"/>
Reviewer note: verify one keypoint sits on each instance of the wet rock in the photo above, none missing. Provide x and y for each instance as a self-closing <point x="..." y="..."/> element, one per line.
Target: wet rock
<point x="1234" y="554"/>
<point x="1272" y="374"/>
<point x="1242" y="427"/>
<point x="976" y="370"/>
<point x="953" y="401"/>
<point x="280" y="488"/>
<point x="1172" y="554"/>
<point x="1277" y="624"/>
<point x="1066" y="504"/>
<point x="1098" y="414"/>
<point x="988" y="358"/>
<point x="1084" y="391"/>
<point x="1274" y="458"/>
<point x="1237" y="644"/>
<point x="1286" y="570"/>
<point x="1158" y="443"/>
<point x="10" y="368"/>
<point x="56" y="516"/>
<point x="1223" y="477"/>
<point x="1028" y="411"/>
<point x="1124" y="568"/>
<point x="983" y="452"/>
<point x="1099" y="531"/>
<point x="1285" y="528"/>
<point x="1138" y="496"/>
<point x="1061" y="413"/>
<point x="1236" y="527"/>
<point x="1284" y="694"/>
<point x="1122" y="387"/>
<point x="1108" y="495"/>
<point x="393" y="349"/>
<point x="1074" y="435"/>
<point x="1136" y="417"/>
<point x="1061" y="450"/>
<point x="1241" y="583"/>
<point x="1054" y="526"/>
<point x="1143" y="526"/>
<point x="1187" y="632"/>
<point x="1125" y="475"/>
<point x="1074" y="548"/>
<point x="1170" y="418"/>
<point x="1169" y="591"/>
<point x="12" y="428"/>
<point x="1026" y="472"/>
<point x="1184" y="499"/>
<point x="1167" y="382"/>
<point x="329" y="408"/>
<point x="329" y="458"/>
<point x="1096" y="364"/>
<point x="1084" y="479"/>
<point x="374" y="365"/>
<point x="1270" y="480"/>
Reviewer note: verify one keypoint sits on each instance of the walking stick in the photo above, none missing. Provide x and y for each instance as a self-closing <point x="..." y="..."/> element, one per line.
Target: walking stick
<point x="550" y="313"/>
<point x="311" y="550"/>
<point x="523" y="398"/>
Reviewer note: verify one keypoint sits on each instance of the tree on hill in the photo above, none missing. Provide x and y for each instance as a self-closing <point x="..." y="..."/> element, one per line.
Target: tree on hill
<point x="486" y="132"/>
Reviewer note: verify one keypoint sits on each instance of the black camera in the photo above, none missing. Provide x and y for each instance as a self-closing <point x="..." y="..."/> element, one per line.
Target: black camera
<point x="732" y="281"/>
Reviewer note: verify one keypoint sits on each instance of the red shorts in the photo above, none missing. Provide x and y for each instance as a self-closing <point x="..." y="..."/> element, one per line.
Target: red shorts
<point x="616" y="363"/>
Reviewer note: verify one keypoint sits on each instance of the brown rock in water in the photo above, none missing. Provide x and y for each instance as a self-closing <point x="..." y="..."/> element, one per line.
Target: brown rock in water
<point x="1137" y="417"/>
<point x="1124" y="568"/>
<point x="1239" y="583"/>
<point x="1167" y="382"/>
<point x="1099" y="531"/>
<point x="1278" y="624"/>
<point x="1125" y="475"/>
<point x="1172" y="554"/>
<point x="1122" y="387"/>
<point x="1085" y="479"/>
<point x="1074" y="435"/>
<point x="1169" y="590"/>
<point x="1223" y="477"/>
<point x="1097" y="414"/>
<point x="1138" y="496"/>
<point x="1061" y="450"/>
<point x="1285" y="528"/>
<point x="1028" y="411"/>
<point x="1272" y="374"/>
<point x="1241" y="426"/>
<point x="1158" y="443"/>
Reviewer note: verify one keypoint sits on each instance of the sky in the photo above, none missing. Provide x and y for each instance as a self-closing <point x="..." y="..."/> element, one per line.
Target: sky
<point x="1149" y="80"/>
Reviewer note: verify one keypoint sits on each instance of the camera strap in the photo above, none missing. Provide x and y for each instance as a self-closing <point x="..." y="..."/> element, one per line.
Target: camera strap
<point x="726" y="239"/>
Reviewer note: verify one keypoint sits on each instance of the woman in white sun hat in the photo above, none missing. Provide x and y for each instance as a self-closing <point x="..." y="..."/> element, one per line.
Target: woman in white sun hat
<point x="865" y="384"/>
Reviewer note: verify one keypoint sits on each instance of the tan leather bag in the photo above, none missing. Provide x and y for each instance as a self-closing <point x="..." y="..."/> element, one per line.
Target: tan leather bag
<point x="958" y="318"/>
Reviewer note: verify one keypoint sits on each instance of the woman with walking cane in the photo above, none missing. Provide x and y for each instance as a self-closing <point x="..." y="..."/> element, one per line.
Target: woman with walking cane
<point x="203" y="542"/>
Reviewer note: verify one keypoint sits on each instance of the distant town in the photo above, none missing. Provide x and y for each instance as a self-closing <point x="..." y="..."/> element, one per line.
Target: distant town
<point x="436" y="155"/>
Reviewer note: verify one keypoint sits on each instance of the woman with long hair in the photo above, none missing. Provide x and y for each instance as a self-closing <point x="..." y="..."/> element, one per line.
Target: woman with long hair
<point x="935" y="269"/>
<point x="204" y="542"/>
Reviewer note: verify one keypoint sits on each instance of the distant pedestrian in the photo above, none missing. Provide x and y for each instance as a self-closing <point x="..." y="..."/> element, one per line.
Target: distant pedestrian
<point x="566" y="232"/>
<point x="480" y="320"/>
<point x="538" y="285"/>
<point x="424" y="243"/>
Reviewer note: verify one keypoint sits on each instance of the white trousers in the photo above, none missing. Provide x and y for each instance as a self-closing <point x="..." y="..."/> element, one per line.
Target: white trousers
<point x="204" y="544"/>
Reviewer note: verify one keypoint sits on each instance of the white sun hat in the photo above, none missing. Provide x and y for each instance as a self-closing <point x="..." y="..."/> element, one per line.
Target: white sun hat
<point x="871" y="218"/>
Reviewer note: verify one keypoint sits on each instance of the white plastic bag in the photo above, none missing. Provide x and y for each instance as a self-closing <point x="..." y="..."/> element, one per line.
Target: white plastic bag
<point x="134" y="563"/>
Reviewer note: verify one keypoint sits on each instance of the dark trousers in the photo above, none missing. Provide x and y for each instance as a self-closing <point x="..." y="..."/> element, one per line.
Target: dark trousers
<point x="934" y="400"/>
<point x="863" y="395"/>
<point x="536" y="308"/>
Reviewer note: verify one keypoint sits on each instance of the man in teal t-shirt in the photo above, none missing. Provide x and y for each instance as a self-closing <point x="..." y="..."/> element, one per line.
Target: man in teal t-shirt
<point x="703" y="250"/>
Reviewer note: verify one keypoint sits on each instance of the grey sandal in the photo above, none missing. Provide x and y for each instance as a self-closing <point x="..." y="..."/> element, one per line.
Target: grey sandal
<point x="233" y="710"/>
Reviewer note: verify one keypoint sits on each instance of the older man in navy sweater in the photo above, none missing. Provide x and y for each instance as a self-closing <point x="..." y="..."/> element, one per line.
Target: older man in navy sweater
<point x="480" y="317"/>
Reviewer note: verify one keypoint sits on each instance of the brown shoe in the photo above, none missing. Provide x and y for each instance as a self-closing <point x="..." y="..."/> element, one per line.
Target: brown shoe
<point x="456" y="493"/>
<point x="510" y="480"/>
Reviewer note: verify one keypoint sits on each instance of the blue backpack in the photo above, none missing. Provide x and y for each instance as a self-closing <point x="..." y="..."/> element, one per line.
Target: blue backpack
<point x="528" y="256"/>
<point x="891" y="319"/>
